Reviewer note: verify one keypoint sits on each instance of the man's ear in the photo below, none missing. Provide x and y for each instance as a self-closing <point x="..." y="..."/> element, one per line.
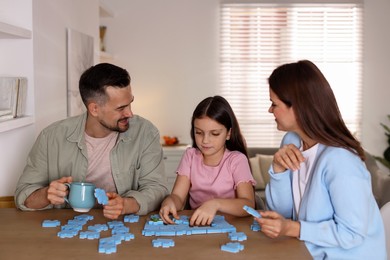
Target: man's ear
<point x="93" y="108"/>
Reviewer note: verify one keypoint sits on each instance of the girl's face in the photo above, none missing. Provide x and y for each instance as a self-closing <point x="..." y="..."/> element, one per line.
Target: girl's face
<point x="284" y="115"/>
<point x="210" y="137"/>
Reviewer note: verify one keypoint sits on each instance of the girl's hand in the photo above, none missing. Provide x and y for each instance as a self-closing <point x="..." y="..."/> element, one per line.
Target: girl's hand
<point x="205" y="214"/>
<point x="275" y="225"/>
<point x="168" y="207"/>
<point x="287" y="157"/>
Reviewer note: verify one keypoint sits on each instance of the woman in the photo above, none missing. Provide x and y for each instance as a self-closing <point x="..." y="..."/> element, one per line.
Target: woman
<point x="320" y="190"/>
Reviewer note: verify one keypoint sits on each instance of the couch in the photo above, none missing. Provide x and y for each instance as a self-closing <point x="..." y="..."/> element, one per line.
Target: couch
<point x="261" y="158"/>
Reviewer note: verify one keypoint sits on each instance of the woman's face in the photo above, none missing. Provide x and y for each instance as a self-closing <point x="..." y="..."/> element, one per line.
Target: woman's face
<point x="210" y="136"/>
<point x="284" y="115"/>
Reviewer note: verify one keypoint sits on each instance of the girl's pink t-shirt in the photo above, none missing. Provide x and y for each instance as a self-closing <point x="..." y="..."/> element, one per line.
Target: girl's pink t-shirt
<point x="209" y="182"/>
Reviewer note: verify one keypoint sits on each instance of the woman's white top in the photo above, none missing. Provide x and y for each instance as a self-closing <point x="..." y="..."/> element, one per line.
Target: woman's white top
<point x="302" y="175"/>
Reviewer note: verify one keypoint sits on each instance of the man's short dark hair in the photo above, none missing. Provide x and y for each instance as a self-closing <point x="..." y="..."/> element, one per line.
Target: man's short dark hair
<point x="94" y="81"/>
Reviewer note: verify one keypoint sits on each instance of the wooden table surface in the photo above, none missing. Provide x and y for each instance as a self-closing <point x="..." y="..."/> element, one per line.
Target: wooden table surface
<point x="23" y="237"/>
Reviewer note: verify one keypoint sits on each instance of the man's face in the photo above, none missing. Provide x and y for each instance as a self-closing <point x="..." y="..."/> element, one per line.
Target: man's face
<point x="114" y="115"/>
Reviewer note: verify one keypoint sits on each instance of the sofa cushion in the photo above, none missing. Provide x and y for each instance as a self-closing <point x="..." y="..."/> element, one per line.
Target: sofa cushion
<point x="265" y="162"/>
<point x="256" y="172"/>
<point x="260" y="165"/>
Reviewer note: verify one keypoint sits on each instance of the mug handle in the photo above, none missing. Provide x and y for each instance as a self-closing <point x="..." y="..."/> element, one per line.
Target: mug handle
<point x="66" y="197"/>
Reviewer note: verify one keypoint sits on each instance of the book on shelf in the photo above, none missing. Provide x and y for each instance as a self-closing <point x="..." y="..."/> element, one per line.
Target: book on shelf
<point x="12" y="97"/>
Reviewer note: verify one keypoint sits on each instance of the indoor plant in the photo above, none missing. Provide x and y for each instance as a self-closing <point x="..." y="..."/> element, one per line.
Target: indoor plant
<point x="385" y="160"/>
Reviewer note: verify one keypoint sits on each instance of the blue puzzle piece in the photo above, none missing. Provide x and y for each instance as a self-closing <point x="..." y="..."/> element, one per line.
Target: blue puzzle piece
<point x="107" y="248"/>
<point x="132" y="218"/>
<point x="232" y="247"/>
<point x="107" y="245"/>
<point x="84" y="217"/>
<point x="155" y="220"/>
<point x="185" y="220"/>
<point x="89" y="235"/>
<point x="255" y="226"/>
<point x="252" y="211"/>
<point x="161" y="242"/>
<point x="120" y="230"/>
<point x="237" y="236"/>
<point x="98" y="227"/>
<point x="117" y="239"/>
<point x="101" y="196"/>
<point x="115" y="223"/>
<point x="67" y="233"/>
<point x="71" y="227"/>
<point x="77" y="222"/>
<point x="51" y="223"/>
<point x="124" y="236"/>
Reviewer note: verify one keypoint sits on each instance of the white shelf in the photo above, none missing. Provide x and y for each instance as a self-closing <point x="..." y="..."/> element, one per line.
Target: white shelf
<point x="14" y="123"/>
<point x="8" y="31"/>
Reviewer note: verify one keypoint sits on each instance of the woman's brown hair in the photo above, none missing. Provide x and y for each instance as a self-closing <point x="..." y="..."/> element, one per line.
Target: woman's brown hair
<point x="301" y="85"/>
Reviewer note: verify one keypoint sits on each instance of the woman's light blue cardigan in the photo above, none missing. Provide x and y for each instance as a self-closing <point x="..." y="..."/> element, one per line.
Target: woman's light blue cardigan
<point x="339" y="216"/>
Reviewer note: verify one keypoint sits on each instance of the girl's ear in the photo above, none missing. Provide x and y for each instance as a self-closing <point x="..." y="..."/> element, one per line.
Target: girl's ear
<point x="228" y="134"/>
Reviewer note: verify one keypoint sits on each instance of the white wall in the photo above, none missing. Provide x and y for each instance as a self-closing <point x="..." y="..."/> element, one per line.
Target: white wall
<point x="171" y="50"/>
<point x="51" y="18"/>
<point x="16" y="60"/>
<point x="43" y="61"/>
<point x="376" y="92"/>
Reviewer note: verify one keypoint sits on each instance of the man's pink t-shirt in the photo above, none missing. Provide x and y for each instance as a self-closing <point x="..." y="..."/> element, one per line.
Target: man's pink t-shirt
<point x="209" y="182"/>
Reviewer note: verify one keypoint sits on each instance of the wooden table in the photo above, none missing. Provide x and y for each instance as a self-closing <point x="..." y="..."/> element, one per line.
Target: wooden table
<point x="23" y="237"/>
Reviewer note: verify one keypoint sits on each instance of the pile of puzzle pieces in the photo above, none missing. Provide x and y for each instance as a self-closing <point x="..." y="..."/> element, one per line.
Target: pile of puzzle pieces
<point x="75" y="227"/>
<point x="154" y="226"/>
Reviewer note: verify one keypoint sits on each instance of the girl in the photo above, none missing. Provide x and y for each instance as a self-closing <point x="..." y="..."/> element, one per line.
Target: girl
<point x="215" y="172"/>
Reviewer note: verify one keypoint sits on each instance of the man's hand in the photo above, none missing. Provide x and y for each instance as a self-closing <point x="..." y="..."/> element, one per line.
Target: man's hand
<point x="115" y="206"/>
<point x="52" y="194"/>
<point x="58" y="190"/>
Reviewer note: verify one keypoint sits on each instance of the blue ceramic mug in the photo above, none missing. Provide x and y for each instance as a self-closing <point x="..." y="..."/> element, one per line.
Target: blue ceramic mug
<point x="81" y="196"/>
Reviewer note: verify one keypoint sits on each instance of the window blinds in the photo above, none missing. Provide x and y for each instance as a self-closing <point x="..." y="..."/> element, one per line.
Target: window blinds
<point x="256" y="38"/>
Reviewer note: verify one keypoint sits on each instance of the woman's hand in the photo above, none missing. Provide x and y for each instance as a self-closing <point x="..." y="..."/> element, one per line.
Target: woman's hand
<point x="275" y="225"/>
<point x="287" y="157"/>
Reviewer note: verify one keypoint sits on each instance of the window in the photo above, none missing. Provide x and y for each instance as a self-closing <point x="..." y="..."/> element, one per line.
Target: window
<point x="256" y="38"/>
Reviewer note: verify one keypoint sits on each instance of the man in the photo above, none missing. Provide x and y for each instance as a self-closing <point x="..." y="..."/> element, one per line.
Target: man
<point x="108" y="145"/>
